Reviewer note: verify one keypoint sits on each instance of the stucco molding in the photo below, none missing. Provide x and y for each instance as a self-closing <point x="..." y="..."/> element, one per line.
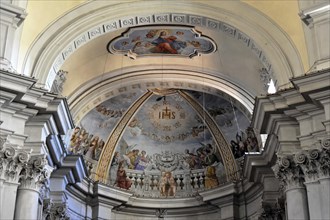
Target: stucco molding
<point x="101" y="88"/>
<point x="65" y="35"/>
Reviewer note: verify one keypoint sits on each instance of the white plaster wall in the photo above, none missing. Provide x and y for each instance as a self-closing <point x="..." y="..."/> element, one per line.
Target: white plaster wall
<point x="78" y="208"/>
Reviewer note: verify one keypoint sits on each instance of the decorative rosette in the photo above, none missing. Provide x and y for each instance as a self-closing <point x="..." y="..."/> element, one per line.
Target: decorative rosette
<point x="314" y="154"/>
<point x="300" y="158"/>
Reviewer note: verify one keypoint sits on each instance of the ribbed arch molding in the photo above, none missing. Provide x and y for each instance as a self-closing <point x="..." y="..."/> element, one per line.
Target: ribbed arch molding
<point x="112" y="84"/>
<point x="79" y="26"/>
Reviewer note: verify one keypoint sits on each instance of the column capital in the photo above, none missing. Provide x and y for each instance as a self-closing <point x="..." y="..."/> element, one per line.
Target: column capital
<point x="54" y="211"/>
<point x="12" y="161"/>
<point x="315" y="163"/>
<point x="35" y="173"/>
<point x="289" y="173"/>
<point x="274" y="211"/>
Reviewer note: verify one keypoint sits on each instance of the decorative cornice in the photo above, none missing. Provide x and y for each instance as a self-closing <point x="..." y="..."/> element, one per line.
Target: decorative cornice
<point x="17" y="12"/>
<point x="309" y="15"/>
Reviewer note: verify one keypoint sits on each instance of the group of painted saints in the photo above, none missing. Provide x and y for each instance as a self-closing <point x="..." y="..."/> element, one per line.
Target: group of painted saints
<point x="83" y="143"/>
<point x="245" y="142"/>
<point x="129" y="158"/>
<point x="203" y="157"/>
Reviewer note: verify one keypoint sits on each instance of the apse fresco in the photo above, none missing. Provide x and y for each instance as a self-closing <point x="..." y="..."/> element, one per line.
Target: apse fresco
<point x="90" y="135"/>
<point x="165" y="139"/>
<point x="166" y="127"/>
<point x="162" y="40"/>
<point x="102" y="119"/>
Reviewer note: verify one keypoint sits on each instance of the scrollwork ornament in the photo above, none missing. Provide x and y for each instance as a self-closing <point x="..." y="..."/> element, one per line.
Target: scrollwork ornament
<point x="314" y="154"/>
<point x="326" y="144"/>
<point x="55" y="211"/>
<point x="23" y="157"/>
<point x="300" y="158"/>
<point x="9" y="152"/>
<point x="39" y="163"/>
<point x="284" y="162"/>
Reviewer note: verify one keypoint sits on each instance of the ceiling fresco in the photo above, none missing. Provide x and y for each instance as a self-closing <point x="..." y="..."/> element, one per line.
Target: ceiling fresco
<point x="165" y="134"/>
<point x="162" y="40"/>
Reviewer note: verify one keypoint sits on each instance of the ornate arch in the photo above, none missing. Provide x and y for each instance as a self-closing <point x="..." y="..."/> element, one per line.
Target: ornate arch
<point x="60" y="39"/>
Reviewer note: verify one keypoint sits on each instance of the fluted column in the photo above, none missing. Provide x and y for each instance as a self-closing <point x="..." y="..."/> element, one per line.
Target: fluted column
<point x="33" y="177"/>
<point x="12" y="162"/>
<point x="291" y="178"/>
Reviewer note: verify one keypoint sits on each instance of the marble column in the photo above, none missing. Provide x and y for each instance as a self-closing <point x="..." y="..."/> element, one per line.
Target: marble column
<point x="291" y="178"/>
<point x="12" y="162"/>
<point x="33" y="176"/>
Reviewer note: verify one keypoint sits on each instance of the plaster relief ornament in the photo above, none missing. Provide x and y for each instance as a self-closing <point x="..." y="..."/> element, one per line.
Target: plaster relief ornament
<point x="162" y="40"/>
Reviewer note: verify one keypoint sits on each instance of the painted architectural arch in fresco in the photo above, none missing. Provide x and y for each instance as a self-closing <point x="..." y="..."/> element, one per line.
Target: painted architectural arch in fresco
<point x="165" y="135"/>
<point x="162" y="40"/>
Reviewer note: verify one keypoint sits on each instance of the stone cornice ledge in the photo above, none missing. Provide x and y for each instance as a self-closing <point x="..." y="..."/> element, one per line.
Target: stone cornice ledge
<point x="112" y="193"/>
<point x="218" y="192"/>
<point x="257" y="166"/>
<point x="289" y="99"/>
<point x="72" y="166"/>
<point x="15" y="82"/>
<point x="164" y="203"/>
<point x="312" y="81"/>
<point x="19" y="12"/>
